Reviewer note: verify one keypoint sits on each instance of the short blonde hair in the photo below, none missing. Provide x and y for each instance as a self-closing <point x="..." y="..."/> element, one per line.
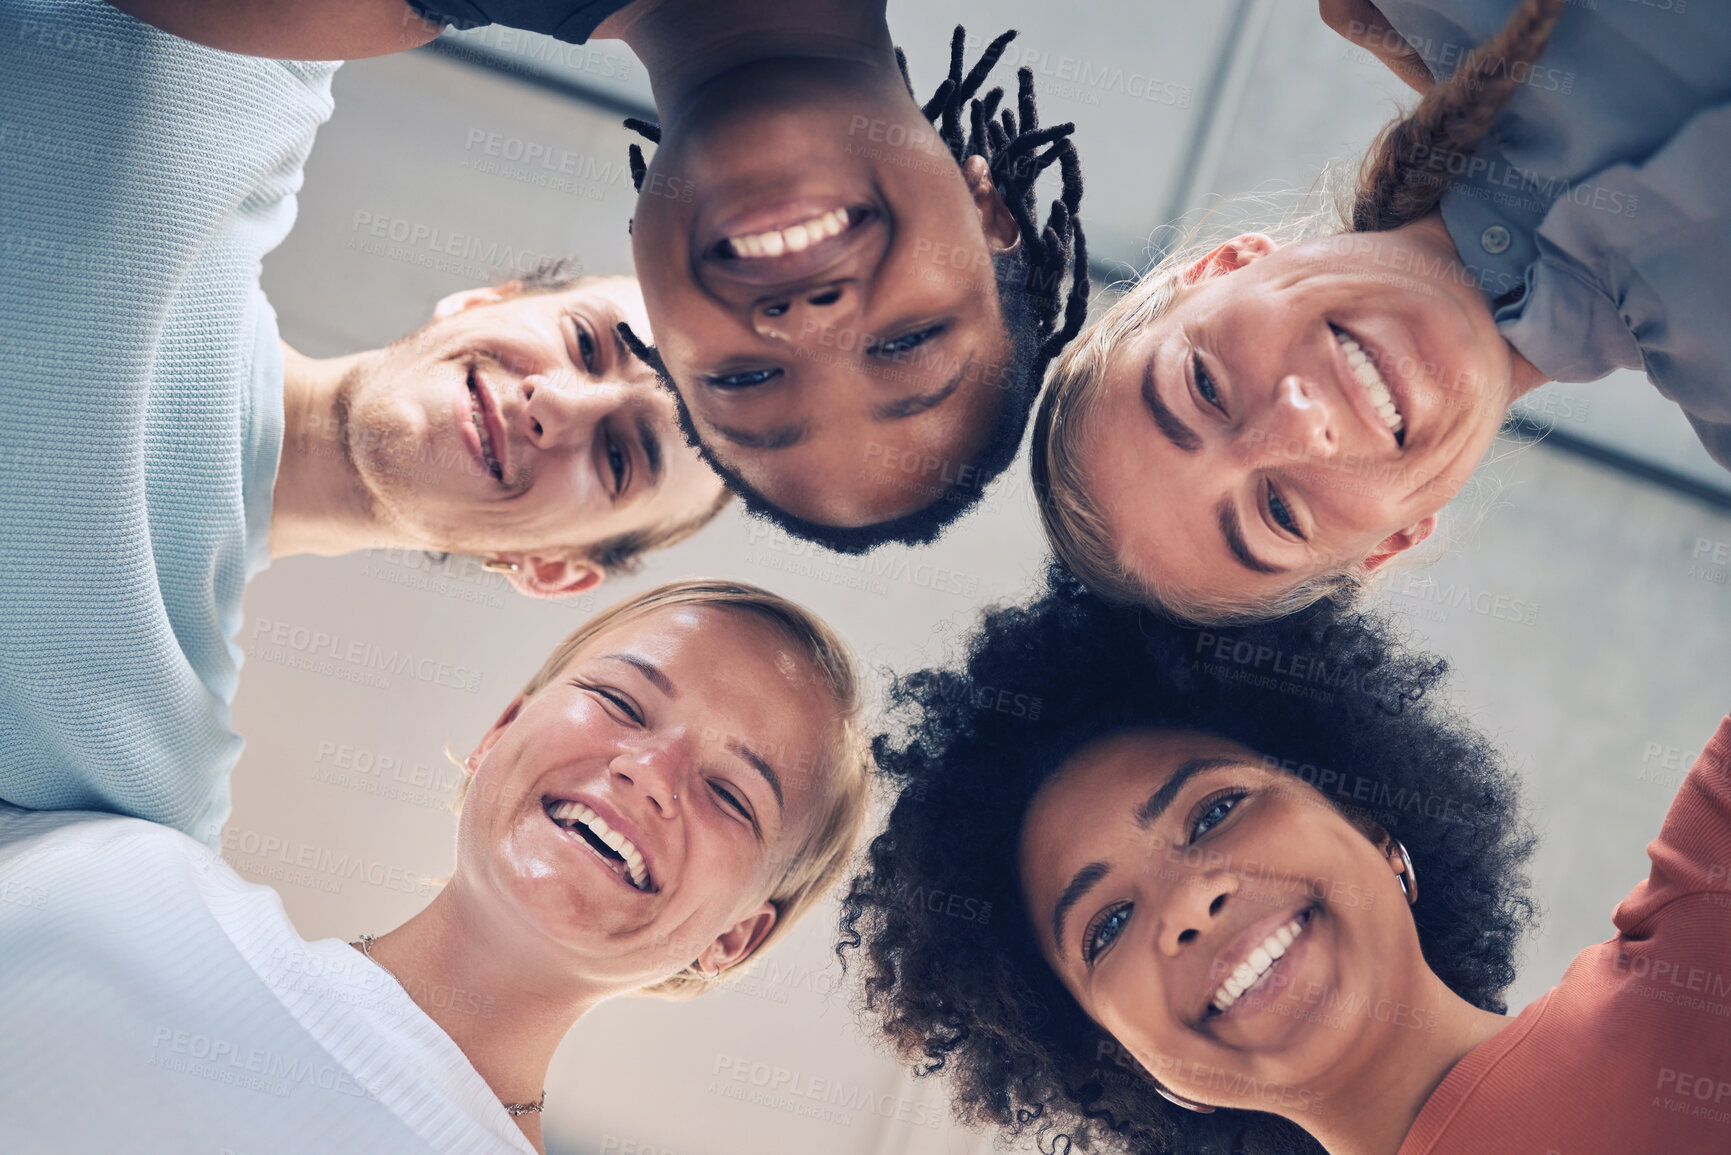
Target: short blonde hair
<point x="1074" y="524"/>
<point x="817" y="863"/>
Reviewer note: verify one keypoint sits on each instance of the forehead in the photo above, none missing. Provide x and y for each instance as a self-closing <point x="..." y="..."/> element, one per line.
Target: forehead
<point x="701" y="634"/>
<point x="1112" y="773"/>
<point x="1091" y="801"/>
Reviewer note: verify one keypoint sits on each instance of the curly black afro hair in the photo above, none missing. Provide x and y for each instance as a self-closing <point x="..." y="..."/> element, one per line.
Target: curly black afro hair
<point x="1042" y="289"/>
<point x="960" y="987"/>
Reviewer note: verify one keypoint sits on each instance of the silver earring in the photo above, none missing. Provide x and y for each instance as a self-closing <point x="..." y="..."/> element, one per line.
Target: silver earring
<point x="1408" y="874"/>
<point x="1179" y="1100"/>
<point x="499" y="565"/>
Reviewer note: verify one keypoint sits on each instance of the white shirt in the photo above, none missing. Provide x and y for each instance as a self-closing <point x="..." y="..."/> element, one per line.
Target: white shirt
<point x="151" y="1000"/>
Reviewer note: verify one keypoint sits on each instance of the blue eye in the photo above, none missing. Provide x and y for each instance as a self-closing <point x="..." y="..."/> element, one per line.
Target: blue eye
<point x="1204" y="383"/>
<point x="744" y="380"/>
<point x="1213" y="811"/>
<point x="1281" y="515"/>
<point x="1104" y="930"/>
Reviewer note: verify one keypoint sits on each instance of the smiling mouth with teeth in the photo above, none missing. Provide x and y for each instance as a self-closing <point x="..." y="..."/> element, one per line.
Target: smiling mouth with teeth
<point x="1365" y="372"/>
<point x="793" y="239"/>
<point x="1258" y="965"/>
<point x="493" y="466"/>
<point x="614" y="849"/>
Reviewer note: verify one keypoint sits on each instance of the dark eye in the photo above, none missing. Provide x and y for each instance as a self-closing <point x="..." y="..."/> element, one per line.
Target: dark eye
<point x="618" y="700"/>
<point x="1204" y="383"/>
<point x="586" y="348"/>
<point x="1212" y="811"/>
<point x="1104" y="930"/>
<point x="1281" y="515"/>
<point x="731" y="799"/>
<point x="906" y="343"/>
<point x="618" y="462"/>
<point x="746" y="380"/>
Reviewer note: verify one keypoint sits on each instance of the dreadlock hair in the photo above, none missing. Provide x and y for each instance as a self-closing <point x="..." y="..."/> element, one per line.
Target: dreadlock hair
<point x="1042" y="287"/>
<point x="1403" y="177"/>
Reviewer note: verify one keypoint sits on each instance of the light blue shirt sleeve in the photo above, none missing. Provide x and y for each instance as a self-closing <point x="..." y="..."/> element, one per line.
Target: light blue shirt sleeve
<point x="142" y="179"/>
<point x="1596" y="214"/>
<point x="1649" y="290"/>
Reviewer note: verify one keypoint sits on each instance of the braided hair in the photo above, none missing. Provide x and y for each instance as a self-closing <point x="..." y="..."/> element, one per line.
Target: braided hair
<point x="1042" y="285"/>
<point x="1406" y="171"/>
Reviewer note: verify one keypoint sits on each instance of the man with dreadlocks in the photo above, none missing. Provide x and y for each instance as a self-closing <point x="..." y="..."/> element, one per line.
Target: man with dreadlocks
<point x="852" y="295"/>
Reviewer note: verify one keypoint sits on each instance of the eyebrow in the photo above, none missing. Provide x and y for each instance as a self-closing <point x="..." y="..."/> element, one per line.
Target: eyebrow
<point x="1176" y="431"/>
<point x="1150" y="811"/>
<point x="912" y="406"/>
<point x="762" y="767"/>
<point x="1146" y="815"/>
<point x="648" y="669"/>
<point x="785" y="437"/>
<point x="1080" y="884"/>
<point x="651" y="448"/>
<point x="1233" y="531"/>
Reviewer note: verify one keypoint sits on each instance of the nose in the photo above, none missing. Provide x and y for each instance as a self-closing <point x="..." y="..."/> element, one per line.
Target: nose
<point x="1192" y="906"/>
<point x="1299" y="426"/>
<point x="659" y="768"/>
<point x="561" y="409"/>
<point x="797" y="317"/>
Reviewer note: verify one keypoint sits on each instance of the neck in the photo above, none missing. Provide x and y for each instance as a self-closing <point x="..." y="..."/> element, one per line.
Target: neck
<point x="685" y="44"/>
<point x="319" y="505"/>
<point x="1371" y="1109"/>
<point x="1432" y="232"/>
<point x="507" y="1017"/>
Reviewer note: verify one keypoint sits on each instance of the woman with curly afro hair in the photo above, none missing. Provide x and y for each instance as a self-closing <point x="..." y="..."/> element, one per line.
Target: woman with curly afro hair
<point x="1153" y="886"/>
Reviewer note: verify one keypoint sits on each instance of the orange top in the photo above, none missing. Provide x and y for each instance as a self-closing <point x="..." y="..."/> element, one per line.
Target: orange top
<point x="1631" y="1052"/>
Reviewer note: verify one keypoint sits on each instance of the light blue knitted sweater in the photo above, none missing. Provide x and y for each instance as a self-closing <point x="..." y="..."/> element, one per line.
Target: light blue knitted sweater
<point x="142" y="179"/>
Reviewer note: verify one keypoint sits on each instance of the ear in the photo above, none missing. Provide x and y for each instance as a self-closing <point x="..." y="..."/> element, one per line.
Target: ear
<point x="1399" y="542"/>
<point x="995" y="215"/>
<point x="469" y="298"/>
<point x="737" y="944"/>
<point x="541" y="576"/>
<point x="1230" y="257"/>
<point x="1373" y="830"/>
<point x="495" y="732"/>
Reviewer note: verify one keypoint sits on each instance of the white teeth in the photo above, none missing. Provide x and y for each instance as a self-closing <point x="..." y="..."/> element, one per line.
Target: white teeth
<point x="1256" y="966"/>
<point x="568" y="813"/>
<point x="793" y="239"/>
<point x="1364" y="371"/>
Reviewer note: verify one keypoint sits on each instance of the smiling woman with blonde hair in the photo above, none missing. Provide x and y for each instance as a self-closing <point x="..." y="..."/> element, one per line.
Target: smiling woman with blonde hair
<point x="1265" y="421"/>
<point x="680" y="782"/>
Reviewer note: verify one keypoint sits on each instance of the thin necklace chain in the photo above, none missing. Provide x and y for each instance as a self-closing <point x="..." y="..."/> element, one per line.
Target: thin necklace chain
<point x="365" y="943"/>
